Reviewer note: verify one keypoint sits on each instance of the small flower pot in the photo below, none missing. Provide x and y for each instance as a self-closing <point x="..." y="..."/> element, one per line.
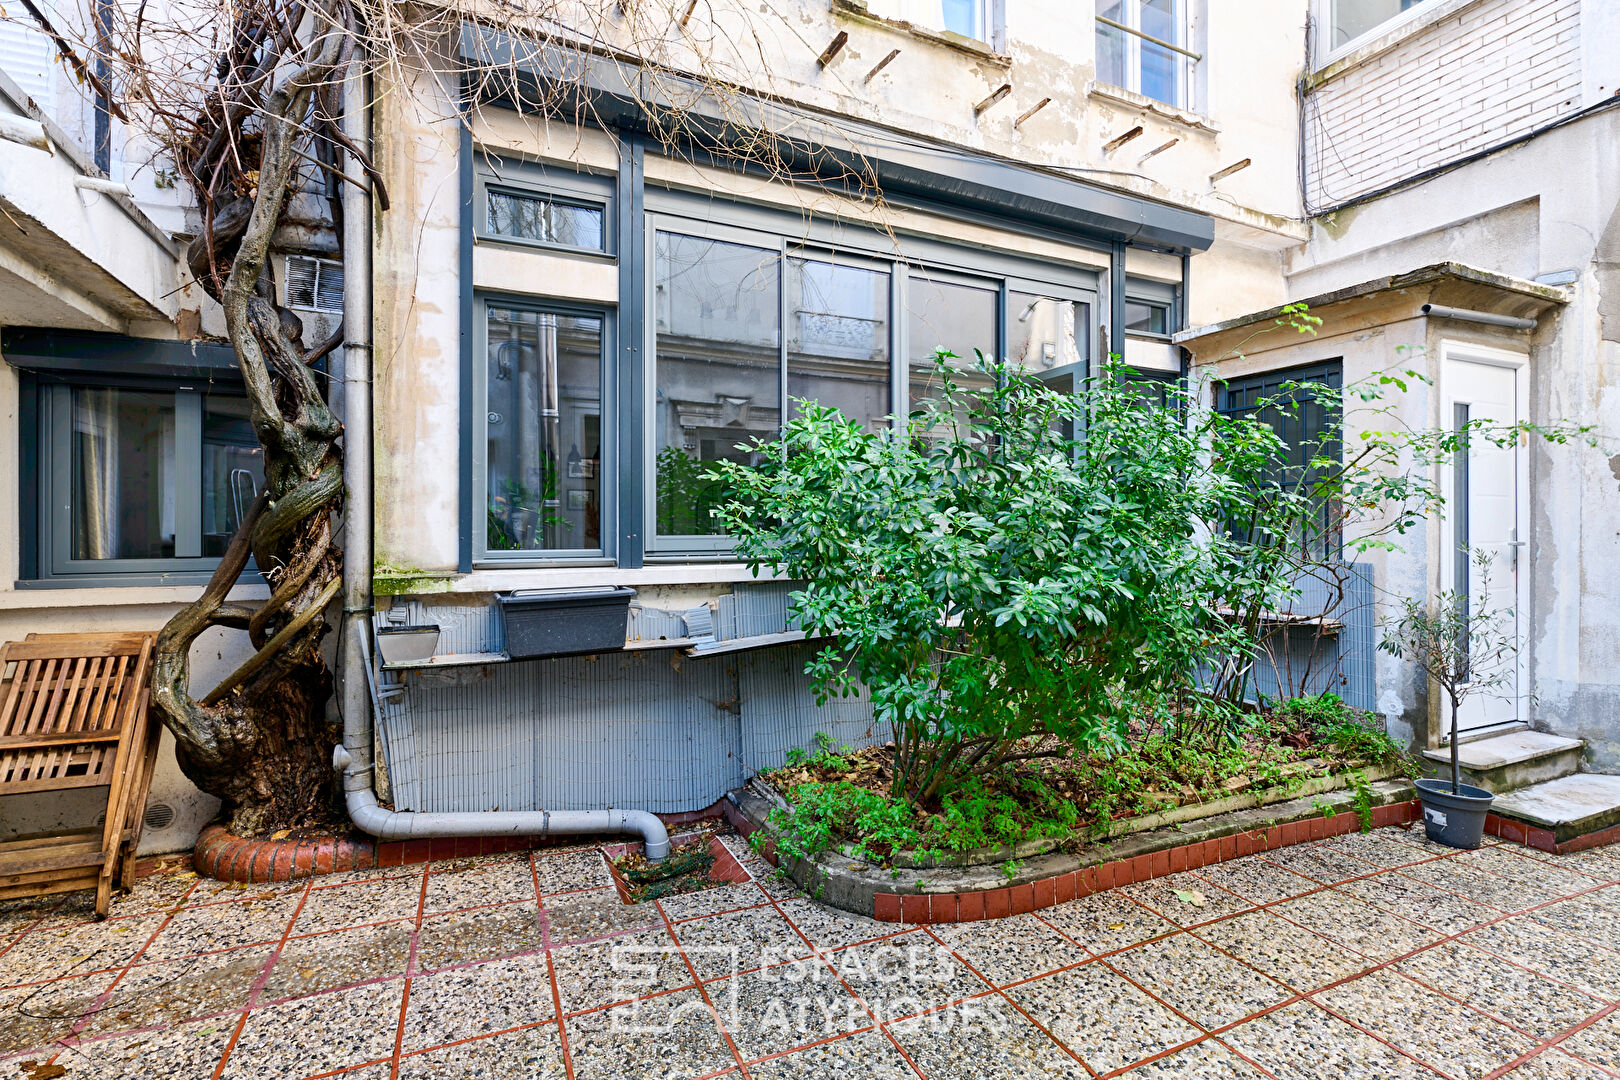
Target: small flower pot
<point x="1456" y="820"/>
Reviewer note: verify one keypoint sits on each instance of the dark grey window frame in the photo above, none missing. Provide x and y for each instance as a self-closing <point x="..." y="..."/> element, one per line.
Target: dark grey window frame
<point x="532" y="180"/>
<point x="791" y="235"/>
<point x="607" y="471"/>
<point x="46" y="457"/>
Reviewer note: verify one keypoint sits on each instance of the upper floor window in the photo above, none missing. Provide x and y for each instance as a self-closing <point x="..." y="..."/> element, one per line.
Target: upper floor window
<point x="1142" y="47"/>
<point x="1349" y="20"/>
<point x="970" y="18"/>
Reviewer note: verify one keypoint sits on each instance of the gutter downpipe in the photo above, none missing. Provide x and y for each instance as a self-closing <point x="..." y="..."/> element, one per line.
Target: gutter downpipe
<point x="353" y="757"/>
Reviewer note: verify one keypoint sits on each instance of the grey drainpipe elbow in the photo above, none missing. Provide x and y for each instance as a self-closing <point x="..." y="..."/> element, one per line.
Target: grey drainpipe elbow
<point x="353" y="757"/>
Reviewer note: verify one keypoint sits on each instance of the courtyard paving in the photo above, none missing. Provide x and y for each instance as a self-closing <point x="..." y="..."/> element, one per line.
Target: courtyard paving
<point x="1371" y="955"/>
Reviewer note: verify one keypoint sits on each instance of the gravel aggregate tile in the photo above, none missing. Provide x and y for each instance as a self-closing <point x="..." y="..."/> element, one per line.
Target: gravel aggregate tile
<point x="362" y="903"/>
<point x="1434" y="1029"/>
<point x="1598" y="1044"/>
<point x="1378" y="848"/>
<point x="1324" y="864"/>
<point x="594" y="914"/>
<point x="1552" y="1065"/>
<point x="619" y="969"/>
<point x="829" y="928"/>
<point x="316" y="1034"/>
<point x="1599" y="862"/>
<point x="466" y="883"/>
<point x="1358" y="926"/>
<point x="899" y="976"/>
<point x="484" y="934"/>
<point x="712" y="901"/>
<point x="1288" y="953"/>
<point x="340" y="958"/>
<point x="1186" y="899"/>
<point x="1203" y="1061"/>
<point x="1551" y="880"/>
<point x="1199" y="981"/>
<point x="224" y="926"/>
<point x="1595" y="916"/>
<point x="478" y="1000"/>
<point x="171" y="991"/>
<point x="1553" y="953"/>
<point x="535" y="1053"/>
<point x="671" y="1036"/>
<point x="1011" y="949"/>
<point x="777" y="1009"/>
<point x="1302" y="1042"/>
<point x="1258" y="880"/>
<point x="1532" y="1004"/>
<point x="1415" y="834"/>
<point x="980" y="1039"/>
<point x="77" y="950"/>
<point x="36" y="1016"/>
<point x="1420" y="903"/>
<point x="1106" y="921"/>
<point x="183" y="1051"/>
<point x="571" y="872"/>
<point x="19" y="914"/>
<point x="1475" y="884"/>
<point x="158" y="891"/>
<point x="869" y="1055"/>
<point x="746" y="939"/>
<point x="213" y="891"/>
<point x="1101" y="1017"/>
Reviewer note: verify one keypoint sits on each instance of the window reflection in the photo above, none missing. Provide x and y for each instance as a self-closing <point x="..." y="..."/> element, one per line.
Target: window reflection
<point x="535" y="217"/>
<point x="718" y="375"/>
<point x="232" y="470"/>
<point x="948" y="315"/>
<point x="838" y="339"/>
<point x="123" y="474"/>
<point x="544" y="423"/>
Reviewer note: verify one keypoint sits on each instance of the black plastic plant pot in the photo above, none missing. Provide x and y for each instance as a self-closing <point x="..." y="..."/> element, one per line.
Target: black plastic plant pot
<point x="565" y="622"/>
<point x="1454" y="819"/>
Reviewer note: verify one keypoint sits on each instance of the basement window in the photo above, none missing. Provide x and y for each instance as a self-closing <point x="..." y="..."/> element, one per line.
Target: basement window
<point x="315" y="284"/>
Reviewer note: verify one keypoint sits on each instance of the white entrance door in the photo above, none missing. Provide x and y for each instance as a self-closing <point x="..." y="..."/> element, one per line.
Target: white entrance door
<point x="1485" y="490"/>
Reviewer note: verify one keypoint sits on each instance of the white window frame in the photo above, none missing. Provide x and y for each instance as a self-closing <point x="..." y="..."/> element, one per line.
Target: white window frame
<point x="1327" y="52"/>
<point x="1189" y="60"/>
<point x="921" y="13"/>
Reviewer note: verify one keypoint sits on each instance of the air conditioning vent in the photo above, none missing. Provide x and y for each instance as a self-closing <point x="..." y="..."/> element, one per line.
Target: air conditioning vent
<point x="314" y="284"/>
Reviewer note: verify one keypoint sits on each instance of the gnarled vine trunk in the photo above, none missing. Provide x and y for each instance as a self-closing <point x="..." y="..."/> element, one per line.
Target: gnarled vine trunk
<point x="261" y="740"/>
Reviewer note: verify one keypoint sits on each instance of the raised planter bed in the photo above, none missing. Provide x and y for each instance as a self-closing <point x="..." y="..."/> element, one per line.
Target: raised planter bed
<point x="975" y="887"/>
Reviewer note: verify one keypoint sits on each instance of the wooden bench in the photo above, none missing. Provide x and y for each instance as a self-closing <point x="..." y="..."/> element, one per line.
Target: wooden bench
<point x="73" y="714"/>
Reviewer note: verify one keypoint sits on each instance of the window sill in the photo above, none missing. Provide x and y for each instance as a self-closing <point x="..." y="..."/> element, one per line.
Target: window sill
<point x="82" y="592"/>
<point x="856" y="9"/>
<point x="1352" y="55"/>
<point x="1185" y="117"/>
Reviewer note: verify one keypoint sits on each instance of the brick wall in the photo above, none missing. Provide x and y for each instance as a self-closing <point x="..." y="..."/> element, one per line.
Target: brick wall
<point x="1494" y="70"/>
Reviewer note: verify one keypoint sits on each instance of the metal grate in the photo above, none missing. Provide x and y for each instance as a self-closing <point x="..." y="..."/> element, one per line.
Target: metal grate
<point x="314" y="284"/>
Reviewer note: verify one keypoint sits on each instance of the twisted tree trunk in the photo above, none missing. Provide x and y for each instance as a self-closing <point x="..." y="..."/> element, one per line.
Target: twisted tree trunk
<point x="260" y="740"/>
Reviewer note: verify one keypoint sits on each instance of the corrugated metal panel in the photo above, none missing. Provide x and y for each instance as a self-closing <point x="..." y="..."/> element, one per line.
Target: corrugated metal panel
<point x="1341" y="663"/>
<point x="779" y="710"/>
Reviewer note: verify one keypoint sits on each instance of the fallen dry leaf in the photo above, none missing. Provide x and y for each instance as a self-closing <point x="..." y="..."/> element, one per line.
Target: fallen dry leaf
<point x="1190" y="896"/>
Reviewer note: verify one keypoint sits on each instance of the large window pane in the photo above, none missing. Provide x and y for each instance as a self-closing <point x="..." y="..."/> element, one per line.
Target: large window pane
<point x="1045" y="334"/>
<point x="838" y="338"/>
<point x="948" y="315"/>
<point x="123" y="469"/>
<point x="1146" y="317"/>
<point x="544" y="412"/>
<point x="232" y="470"/>
<point x="963" y="17"/>
<point x="718" y="309"/>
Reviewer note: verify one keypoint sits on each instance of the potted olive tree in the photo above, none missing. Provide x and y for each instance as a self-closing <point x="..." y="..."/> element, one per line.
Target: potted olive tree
<point x="1467" y="652"/>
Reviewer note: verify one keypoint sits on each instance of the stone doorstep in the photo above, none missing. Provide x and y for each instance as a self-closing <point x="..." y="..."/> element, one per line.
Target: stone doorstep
<point x="1507" y="762"/>
<point x="1570" y="807"/>
<point x="968" y="893"/>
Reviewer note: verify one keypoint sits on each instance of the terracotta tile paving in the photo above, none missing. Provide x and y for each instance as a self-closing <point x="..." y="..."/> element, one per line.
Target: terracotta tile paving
<point x="1371" y="955"/>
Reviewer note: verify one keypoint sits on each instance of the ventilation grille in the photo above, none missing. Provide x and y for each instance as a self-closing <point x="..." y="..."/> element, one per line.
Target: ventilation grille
<point x="314" y="284"/>
<point x="159" y="816"/>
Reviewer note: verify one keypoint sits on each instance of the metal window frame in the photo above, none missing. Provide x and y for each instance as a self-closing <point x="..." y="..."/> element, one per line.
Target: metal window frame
<point x="536" y="181"/>
<point x="1327" y="53"/>
<point x="607" y="473"/>
<point x="835" y="241"/>
<point x="46" y="496"/>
